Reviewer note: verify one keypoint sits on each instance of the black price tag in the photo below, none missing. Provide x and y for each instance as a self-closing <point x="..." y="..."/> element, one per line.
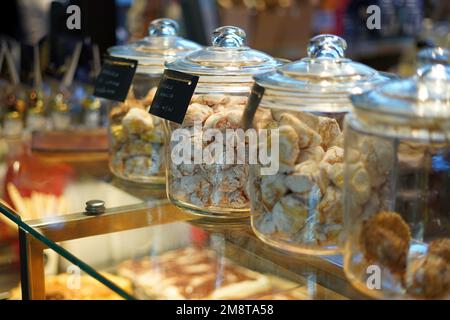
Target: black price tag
<point x="253" y="102"/>
<point x="173" y="95"/>
<point x="115" y="78"/>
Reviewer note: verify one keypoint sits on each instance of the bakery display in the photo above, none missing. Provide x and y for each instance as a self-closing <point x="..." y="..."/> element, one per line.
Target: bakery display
<point x="301" y="170"/>
<point x="198" y="273"/>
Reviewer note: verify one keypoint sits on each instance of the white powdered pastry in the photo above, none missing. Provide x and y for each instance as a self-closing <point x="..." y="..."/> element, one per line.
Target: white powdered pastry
<point x="214" y="183"/>
<point x="194" y="273"/>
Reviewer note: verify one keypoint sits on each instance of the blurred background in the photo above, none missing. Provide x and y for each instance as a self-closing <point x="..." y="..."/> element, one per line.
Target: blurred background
<point x="279" y="27"/>
<point x="42" y="61"/>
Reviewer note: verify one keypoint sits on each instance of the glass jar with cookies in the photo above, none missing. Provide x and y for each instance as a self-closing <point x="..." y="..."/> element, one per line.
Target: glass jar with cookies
<point x="298" y="207"/>
<point x="397" y="155"/>
<point x="136" y="137"/>
<point x="210" y="178"/>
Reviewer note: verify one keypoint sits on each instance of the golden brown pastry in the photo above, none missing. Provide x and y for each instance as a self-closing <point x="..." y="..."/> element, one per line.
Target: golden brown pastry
<point x="385" y="239"/>
<point x="429" y="277"/>
<point x="440" y="248"/>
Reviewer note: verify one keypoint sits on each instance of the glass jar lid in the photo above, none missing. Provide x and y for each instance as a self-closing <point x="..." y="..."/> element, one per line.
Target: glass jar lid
<point x="324" y="79"/>
<point x="433" y="55"/>
<point x="227" y="56"/>
<point x="422" y="101"/>
<point x="162" y="44"/>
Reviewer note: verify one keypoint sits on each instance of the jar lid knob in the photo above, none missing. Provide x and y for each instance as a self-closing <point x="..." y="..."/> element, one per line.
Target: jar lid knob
<point x="327" y="45"/>
<point x="228" y="37"/>
<point x="433" y="82"/>
<point x="163" y="28"/>
<point x="436" y="55"/>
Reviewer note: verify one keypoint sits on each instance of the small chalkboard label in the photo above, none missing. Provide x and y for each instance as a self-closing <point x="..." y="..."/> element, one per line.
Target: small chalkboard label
<point x="115" y="78"/>
<point x="254" y="99"/>
<point x="174" y="93"/>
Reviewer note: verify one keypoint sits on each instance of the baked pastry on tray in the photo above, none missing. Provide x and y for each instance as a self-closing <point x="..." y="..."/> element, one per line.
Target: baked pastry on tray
<point x="194" y="273"/>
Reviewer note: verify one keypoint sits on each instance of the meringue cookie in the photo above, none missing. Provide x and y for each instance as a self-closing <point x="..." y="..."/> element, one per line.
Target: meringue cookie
<point x="196" y="113"/>
<point x="290" y="213"/>
<point x="307" y="137"/>
<point x="329" y="131"/>
<point x="288" y="145"/>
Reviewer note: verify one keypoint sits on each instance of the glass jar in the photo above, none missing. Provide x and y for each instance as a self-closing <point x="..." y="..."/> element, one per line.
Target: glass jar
<point x="209" y="182"/>
<point x="298" y="207"/>
<point x="136" y="137"/>
<point x="397" y="155"/>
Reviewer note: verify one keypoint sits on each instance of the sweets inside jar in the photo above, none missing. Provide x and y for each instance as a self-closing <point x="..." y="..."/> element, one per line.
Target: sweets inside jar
<point x="400" y="231"/>
<point x="300" y="205"/>
<point x="404" y="265"/>
<point x="136" y="141"/>
<point x="398" y="240"/>
<point x="205" y="178"/>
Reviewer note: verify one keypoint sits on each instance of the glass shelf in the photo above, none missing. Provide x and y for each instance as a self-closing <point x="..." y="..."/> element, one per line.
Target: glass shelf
<point x="143" y="247"/>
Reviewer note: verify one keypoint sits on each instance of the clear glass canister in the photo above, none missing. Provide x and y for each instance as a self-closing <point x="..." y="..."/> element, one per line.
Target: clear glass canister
<point x="136" y="137"/>
<point x="298" y="207"/>
<point x="397" y="188"/>
<point x="212" y="182"/>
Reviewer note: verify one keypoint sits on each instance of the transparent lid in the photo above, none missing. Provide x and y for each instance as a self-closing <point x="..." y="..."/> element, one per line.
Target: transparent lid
<point x="228" y="56"/>
<point x="324" y="79"/>
<point x="433" y="56"/>
<point x="162" y="44"/>
<point x="422" y="101"/>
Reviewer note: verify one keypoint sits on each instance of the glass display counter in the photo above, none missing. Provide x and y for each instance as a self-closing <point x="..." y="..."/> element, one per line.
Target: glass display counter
<point x="141" y="247"/>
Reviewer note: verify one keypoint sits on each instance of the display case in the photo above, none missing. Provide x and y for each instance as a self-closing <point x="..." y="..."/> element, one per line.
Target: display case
<point x="136" y="245"/>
